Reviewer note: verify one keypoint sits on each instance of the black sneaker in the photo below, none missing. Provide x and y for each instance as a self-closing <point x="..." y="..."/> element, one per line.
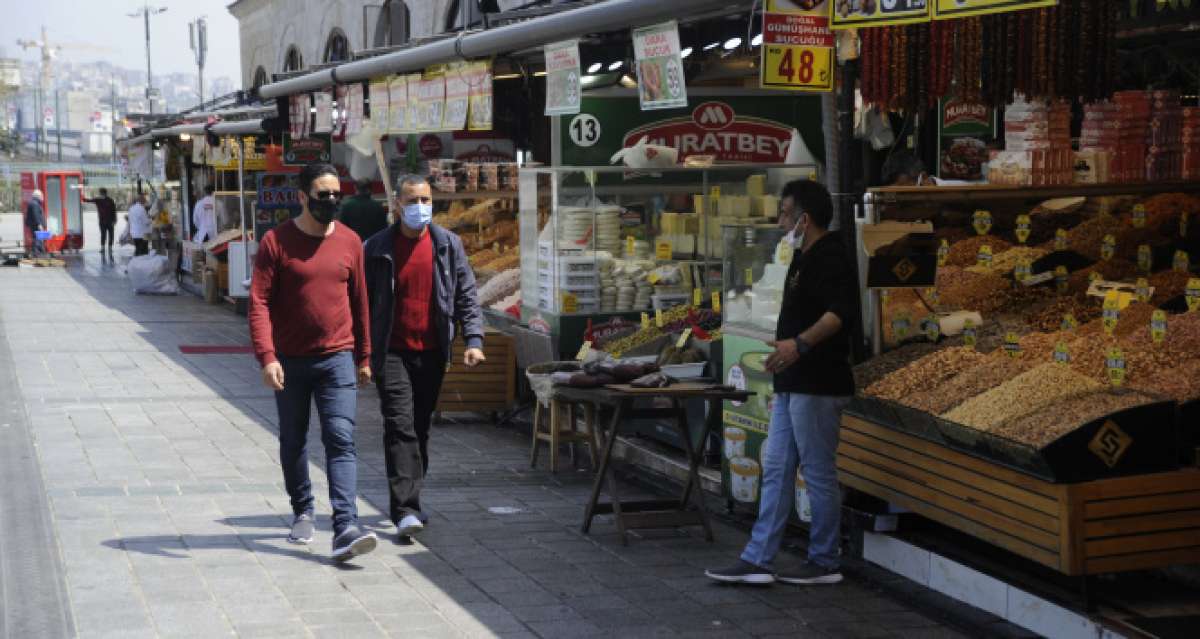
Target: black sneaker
<point x="352" y="542"/>
<point x="743" y="572"/>
<point x="302" y="529"/>
<point x="810" y="574"/>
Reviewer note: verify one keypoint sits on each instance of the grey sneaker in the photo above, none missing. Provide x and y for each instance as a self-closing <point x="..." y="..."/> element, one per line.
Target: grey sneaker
<point x="409" y="525"/>
<point x="743" y="572"/>
<point x="810" y="574"/>
<point x="352" y="542"/>
<point x="302" y="529"/>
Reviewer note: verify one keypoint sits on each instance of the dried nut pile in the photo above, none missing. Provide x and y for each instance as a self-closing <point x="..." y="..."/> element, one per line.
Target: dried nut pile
<point x="1085" y="238"/>
<point x="1004" y="263"/>
<point x="1114" y="270"/>
<point x="878" y="367"/>
<point x="1164" y="210"/>
<point x="1032" y="390"/>
<point x="1133" y="318"/>
<point x="1039" y="428"/>
<point x="1039" y="347"/>
<point x="1050" y="316"/>
<point x="961" y="289"/>
<point x="1168" y="284"/>
<point x="966" y="252"/>
<point x="1180" y="382"/>
<point x="925" y="373"/>
<point x="984" y="375"/>
<point x="1129" y="239"/>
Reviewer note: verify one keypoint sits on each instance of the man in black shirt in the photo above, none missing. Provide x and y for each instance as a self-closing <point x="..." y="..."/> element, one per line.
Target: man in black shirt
<point x="813" y="383"/>
<point x="106" y="212"/>
<point x="362" y="214"/>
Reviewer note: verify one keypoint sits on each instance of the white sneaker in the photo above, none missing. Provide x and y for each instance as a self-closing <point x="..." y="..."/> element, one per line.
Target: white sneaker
<point x="409" y="525"/>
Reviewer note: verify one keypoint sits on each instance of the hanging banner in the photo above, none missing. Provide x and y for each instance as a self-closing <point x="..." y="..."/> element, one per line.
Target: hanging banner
<point x="339" y="109"/>
<point x="965" y="129"/>
<point x="398" y="122"/>
<point x="226" y="159"/>
<point x="378" y="94"/>
<point x="323" y="102"/>
<point x="199" y="149"/>
<point x="949" y="9"/>
<point x="479" y="83"/>
<point x="431" y="101"/>
<point x="141" y="159"/>
<point x="298" y="115"/>
<point x="354" y="109"/>
<point x="850" y="14"/>
<point x="659" y="67"/>
<point x="301" y="151"/>
<point x="454" y="116"/>
<point x="562" y="78"/>
<point x="797" y="48"/>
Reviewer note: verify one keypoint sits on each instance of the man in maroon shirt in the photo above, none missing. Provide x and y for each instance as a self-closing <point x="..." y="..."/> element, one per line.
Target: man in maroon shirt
<point x="309" y="326"/>
<point x="421" y="288"/>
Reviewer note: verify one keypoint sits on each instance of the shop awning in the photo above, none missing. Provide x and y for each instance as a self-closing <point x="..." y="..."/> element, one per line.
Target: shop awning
<point x="604" y="16"/>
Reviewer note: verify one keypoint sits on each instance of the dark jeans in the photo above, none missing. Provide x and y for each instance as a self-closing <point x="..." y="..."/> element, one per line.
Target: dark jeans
<point x="331" y="381"/>
<point x="408" y="392"/>
<point x="106" y="236"/>
<point x="141" y="247"/>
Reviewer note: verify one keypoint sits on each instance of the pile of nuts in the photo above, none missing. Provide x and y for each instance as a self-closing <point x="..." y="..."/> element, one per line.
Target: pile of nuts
<point x="966" y="252"/>
<point x="1004" y="263"/>
<point x="1032" y="390"/>
<point x="984" y="375"/>
<point x="1040" y="428"/>
<point x="925" y="373"/>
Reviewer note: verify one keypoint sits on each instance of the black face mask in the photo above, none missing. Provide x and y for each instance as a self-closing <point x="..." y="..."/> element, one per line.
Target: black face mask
<point x="322" y="210"/>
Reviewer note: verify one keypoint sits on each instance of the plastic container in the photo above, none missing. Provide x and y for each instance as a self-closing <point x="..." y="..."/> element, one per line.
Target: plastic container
<point x="685" y="371"/>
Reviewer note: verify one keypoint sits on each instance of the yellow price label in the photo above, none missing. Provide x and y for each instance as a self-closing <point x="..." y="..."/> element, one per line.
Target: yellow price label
<point x="1061" y="354"/>
<point x="943" y="252"/>
<point x="645" y="321"/>
<point x="797" y="67"/>
<point x="1069" y="323"/>
<point x="1142" y="290"/>
<point x="1192" y="294"/>
<point x="1158" y="326"/>
<point x="630" y="247"/>
<point x="697" y="297"/>
<point x="1108" y="246"/>
<point x="662" y="250"/>
<point x="1112" y="311"/>
<point x="683" y="337"/>
<point x="749" y="276"/>
<point x="982" y="221"/>
<point x="1012" y="344"/>
<point x="716" y="301"/>
<point x="570" y="304"/>
<point x="970" y="337"/>
<point x="658" y="317"/>
<point x="1114" y="363"/>
<point x="584" y="350"/>
<point x="1139" y="216"/>
<point x="984" y="257"/>
<point x="1060" y="240"/>
<point x="1024" y="224"/>
<point x="1181" y="262"/>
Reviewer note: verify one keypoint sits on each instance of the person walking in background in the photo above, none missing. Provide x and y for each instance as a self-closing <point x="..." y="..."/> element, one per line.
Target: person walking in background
<point x="362" y="213"/>
<point x="813" y="383"/>
<point x="204" y="217"/>
<point x="35" y="220"/>
<point x="139" y="223"/>
<point x="421" y="287"/>
<point x="106" y="212"/>
<point x="309" y="326"/>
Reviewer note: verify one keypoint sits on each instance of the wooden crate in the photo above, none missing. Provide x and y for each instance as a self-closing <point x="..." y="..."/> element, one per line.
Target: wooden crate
<point x="489" y="387"/>
<point x="1107" y="525"/>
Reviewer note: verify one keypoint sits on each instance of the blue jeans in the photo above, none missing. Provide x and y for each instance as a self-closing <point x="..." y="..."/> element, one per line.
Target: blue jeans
<point x="330" y="380"/>
<point x="804" y="430"/>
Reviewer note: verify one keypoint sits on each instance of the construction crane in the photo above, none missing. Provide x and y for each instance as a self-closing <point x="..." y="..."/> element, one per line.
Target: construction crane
<point x="49" y="52"/>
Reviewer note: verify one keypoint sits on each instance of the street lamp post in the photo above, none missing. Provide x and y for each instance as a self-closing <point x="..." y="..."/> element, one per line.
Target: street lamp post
<point x="198" y="36"/>
<point x="145" y="12"/>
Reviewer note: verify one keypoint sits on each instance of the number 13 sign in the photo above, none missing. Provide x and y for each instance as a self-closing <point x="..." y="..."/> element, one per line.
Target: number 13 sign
<point x="797" y="49"/>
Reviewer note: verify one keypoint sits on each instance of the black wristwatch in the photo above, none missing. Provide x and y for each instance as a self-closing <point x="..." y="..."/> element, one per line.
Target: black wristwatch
<point x="802" y="347"/>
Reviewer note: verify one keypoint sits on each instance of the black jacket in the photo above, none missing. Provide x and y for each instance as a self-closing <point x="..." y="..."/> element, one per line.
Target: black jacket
<point x="819" y="280"/>
<point x="455" y="301"/>
<point x="35" y="216"/>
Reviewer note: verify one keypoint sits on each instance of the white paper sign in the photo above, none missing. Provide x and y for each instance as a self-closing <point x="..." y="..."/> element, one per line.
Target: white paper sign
<point x="661" y="83"/>
<point x="563" y="90"/>
<point x="454" y="118"/>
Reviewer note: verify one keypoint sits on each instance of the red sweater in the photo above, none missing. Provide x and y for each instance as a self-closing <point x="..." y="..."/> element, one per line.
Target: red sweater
<point x="309" y="295"/>
<point x="413" y="327"/>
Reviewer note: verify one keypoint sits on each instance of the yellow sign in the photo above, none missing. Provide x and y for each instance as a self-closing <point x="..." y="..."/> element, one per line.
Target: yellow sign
<point x="931" y="327"/>
<point x="630" y="249"/>
<point x="1139" y="216"/>
<point x="645" y="321"/>
<point x="662" y="250"/>
<point x="716" y="301"/>
<point x="1060" y="240"/>
<point x="1023" y="269"/>
<point x="848" y="14"/>
<point x="1114" y="364"/>
<point x="658" y="317"/>
<point x="982" y="221"/>
<point x="697" y="297"/>
<point x="1023" y="227"/>
<point x="1108" y="246"/>
<point x="1158" y="326"/>
<point x="948" y="9"/>
<point x="943" y="252"/>
<point x="1192" y="294"/>
<point x="984" y="257"/>
<point x="584" y="350"/>
<point x="683" y="337"/>
<point x="1142" y="290"/>
<point x="1012" y="344"/>
<point x="1112" y="311"/>
<point x="1069" y="322"/>
<point x="1062" y="355"/>
<point x="569" y="303"/>
<point x="969" y="335"/>
<point x="749" y="276"/>
<point x="900" y="326"/>
<point x="254" y="160"/>
<point x="797" y="48"/>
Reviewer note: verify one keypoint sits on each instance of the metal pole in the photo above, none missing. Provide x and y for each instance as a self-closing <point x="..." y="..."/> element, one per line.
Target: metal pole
<point x="149" y="77"/>
<point x="241" y="146"/>
<point x="202" y="86"/>
<point x="112" y="118"/>
<point x="38" y="118"/>
<point x="57" y="124"/>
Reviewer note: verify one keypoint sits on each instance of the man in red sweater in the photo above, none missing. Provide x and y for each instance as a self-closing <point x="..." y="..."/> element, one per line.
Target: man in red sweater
<point x="421" y="289"/>
<point x="309" y="325"/>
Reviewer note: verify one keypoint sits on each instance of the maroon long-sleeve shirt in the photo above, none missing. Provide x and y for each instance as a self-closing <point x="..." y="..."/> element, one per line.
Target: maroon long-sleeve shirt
<point x="309" y="296"/>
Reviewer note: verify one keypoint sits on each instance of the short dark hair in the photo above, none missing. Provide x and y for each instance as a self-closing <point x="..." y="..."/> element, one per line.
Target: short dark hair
<point x="311" y="172"/>
<point x="208" y="189"/>
<point x="362" y="187"/>
<point x="901" y="163"/>
<point x="811" y="198"/>
<point x="103" y="191"/>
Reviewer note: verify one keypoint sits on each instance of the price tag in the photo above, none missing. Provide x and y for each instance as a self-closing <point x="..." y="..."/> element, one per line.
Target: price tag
<point x="749" y="276"/>
<point x="1112" y="312"/>
<point x="1142" y="290"/>
<point x="1061" y="354"/>
<point x="1022" y="270"/>
<point x="1069" y="322"/>
<point x="716" y="301"/>
<point x="1139" y="216"/>
<point x="931" y="295"/>
<point x="645" y="321"/>
<point x="584" y="350"/>
<point x="1114" y="364"/>
<point x="1181" y="261"/>
<point x="1158" y="326"/>
<point x="900" y="325"/>
<point x="1012" y="344"/>
<point x="970" y="337"/>
<point x="943" y="252"/>
<point x="982" y="221"/>
<point x="796" y="67"/>
<point x="658" y="317"/>
<point x="569" y="303"/>
<point x="1108" y="246"/>
<point x="1060" y="240"/>
<point x="697" y="297"/>
<point x="1023" y="227"/>
<point x="1192" y="294"/>
<point x="1061" y="280"/>
<point x="984" y="257"/>
<point x="630" y="247"/>
<point x="1145" y="258"/>
<point x="931" y="328"/>
<point x="683" y="337"/>
<point x="662" y="250"/>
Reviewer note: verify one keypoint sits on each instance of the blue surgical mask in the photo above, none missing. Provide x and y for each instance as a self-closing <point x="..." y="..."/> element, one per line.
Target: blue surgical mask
<point x="417" y="215"/>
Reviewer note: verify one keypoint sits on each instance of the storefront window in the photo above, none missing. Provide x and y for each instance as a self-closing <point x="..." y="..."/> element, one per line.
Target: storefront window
<point x="293" y="61"/>
<point x="337" y="49"/>
<point x="393" y="26"/>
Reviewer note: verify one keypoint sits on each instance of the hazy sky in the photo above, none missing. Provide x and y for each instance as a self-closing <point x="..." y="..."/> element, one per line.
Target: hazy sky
<point x="104" y="23"/>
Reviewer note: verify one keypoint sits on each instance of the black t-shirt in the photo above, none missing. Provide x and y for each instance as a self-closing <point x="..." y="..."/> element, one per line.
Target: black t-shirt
<point x="106" y="210"/>
<point x="819" y="280"/>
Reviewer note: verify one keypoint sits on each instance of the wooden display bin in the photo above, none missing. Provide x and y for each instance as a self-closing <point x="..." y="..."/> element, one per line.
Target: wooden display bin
<point x="487" y="388"/>
<point x="1101" y="526"/>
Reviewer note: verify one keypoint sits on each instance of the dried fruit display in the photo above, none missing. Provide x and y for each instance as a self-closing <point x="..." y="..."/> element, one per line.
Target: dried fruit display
<point x="966" y="252"/>
<point x="986" y="374"/>
<point x="1039" y="428"/>
<point x="878" y="367"/>
<point x="1004" y="262"/>
<point x="1032" y="390"/>
<point x="1164" y="210"/>
<point x="1131" y="319"/>
<point x="1167" y="285"/>
<point x="924" y="373"/>
<point x="1114" y="270"/>
<point x="1180" y="382"/>
<point x="1049" y="317"/>
<point x="960" y="289"/>
<point x="1086" y="237"/>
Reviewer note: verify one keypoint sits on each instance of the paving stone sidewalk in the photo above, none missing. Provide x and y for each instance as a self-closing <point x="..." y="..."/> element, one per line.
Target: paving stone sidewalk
<point x="170" y="517"/>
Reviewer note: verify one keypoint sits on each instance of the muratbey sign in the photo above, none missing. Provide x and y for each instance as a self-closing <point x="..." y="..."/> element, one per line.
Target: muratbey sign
<point x="714" y="128"/>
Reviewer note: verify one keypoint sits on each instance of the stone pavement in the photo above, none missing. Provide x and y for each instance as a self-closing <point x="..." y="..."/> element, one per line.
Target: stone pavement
<point x="169" y="518"/>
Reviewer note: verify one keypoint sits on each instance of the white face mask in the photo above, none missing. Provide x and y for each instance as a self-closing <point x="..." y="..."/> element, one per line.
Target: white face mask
<point x="790" y="238"/>
<point x="417" y="215"/>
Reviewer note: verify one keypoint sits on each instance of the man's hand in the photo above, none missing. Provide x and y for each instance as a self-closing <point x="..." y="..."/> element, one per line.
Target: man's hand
<point x="473" y="357"/>
<point x="784" y="356"/>
<point x="273" y="376"/>
<point x="364" y="375"/>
